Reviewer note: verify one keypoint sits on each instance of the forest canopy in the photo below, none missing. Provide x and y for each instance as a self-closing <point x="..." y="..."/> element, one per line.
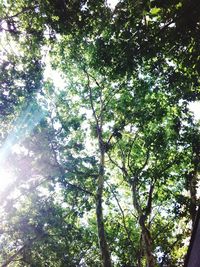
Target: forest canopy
<point x="99" y="149"/>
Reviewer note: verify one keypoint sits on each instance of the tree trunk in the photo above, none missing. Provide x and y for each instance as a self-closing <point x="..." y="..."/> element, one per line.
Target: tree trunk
<point x="192" y="182"/>
<point x="146" y="237"/>
<point x="193" y="193"/>
<point x="105" y="254"/>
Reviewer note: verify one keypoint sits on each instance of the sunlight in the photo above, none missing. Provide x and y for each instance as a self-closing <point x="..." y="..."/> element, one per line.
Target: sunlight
<point x="52" y="74"/>
<point x="6" y="177"/>
<point x="195" y="108"/>
<point x="22" y="127"/>
<point x="112" y="3"/>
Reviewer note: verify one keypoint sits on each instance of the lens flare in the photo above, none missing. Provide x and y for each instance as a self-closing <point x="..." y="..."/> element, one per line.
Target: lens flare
<point x="22" y="127"/>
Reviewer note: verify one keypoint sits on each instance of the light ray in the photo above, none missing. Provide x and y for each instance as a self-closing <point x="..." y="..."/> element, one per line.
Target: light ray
<point x="22" y="127"/>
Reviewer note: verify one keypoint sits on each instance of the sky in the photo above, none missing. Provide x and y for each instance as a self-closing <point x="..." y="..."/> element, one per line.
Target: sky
<point x="112" y="3"/>
<point x="195" y="108"/>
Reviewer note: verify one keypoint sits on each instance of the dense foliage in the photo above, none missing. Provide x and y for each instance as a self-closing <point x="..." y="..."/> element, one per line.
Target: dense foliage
<point x="105" y="166"/>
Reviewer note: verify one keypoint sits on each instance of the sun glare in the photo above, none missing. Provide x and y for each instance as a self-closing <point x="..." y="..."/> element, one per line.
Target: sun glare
<point x="6" y="178"/>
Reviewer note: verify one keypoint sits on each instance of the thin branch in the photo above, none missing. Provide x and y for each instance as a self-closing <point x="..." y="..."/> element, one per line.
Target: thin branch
<point x="91" y="98"/>
<point x="116" y="164"/>
<point x="97" y="83"/>
<point x="122" y="213"/>
<point x="129" y="154"/>
<point x="25" y="9"/>
<point x="145" y="162"/>
<point x="111" y="94"/>
<point x="79" y="188"/>
<point x="169" y="165"/>
<point x="109" y="139"/>
<point x="149" y="200"/>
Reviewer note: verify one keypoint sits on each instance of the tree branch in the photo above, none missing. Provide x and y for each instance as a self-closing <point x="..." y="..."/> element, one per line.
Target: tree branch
<point x="122" y="213"/>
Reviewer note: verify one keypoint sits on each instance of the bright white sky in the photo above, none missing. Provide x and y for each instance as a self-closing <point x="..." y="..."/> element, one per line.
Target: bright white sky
<point x="112" y="3"/>
<point x="195" y="108"/>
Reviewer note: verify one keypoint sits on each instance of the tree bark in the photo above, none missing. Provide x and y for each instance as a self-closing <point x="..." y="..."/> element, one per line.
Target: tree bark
<point x="105" y="254"/>
<point x="146" y="236"/>
<point x="147" y="240"/>
<point x="192" y="180"/>
<point x="104" y="249"/>
<point x="193" y="193"/>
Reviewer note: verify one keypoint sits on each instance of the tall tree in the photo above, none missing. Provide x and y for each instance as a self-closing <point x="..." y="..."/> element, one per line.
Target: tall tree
<point x="116" y="147"/>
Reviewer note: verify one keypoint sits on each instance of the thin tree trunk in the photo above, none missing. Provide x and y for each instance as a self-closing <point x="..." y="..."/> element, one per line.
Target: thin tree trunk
<point x="146" y="236"/>
<point x="105" y="253"/>
<point x="192" y="182"/>
<point x="193" y="193"/>
<point x="106" y="259"/>
<point x="147" y="240"/>
<point x="140" y="253"/>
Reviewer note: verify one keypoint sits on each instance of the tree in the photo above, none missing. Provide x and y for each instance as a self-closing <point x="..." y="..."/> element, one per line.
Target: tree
<point x="116" y="147"/>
